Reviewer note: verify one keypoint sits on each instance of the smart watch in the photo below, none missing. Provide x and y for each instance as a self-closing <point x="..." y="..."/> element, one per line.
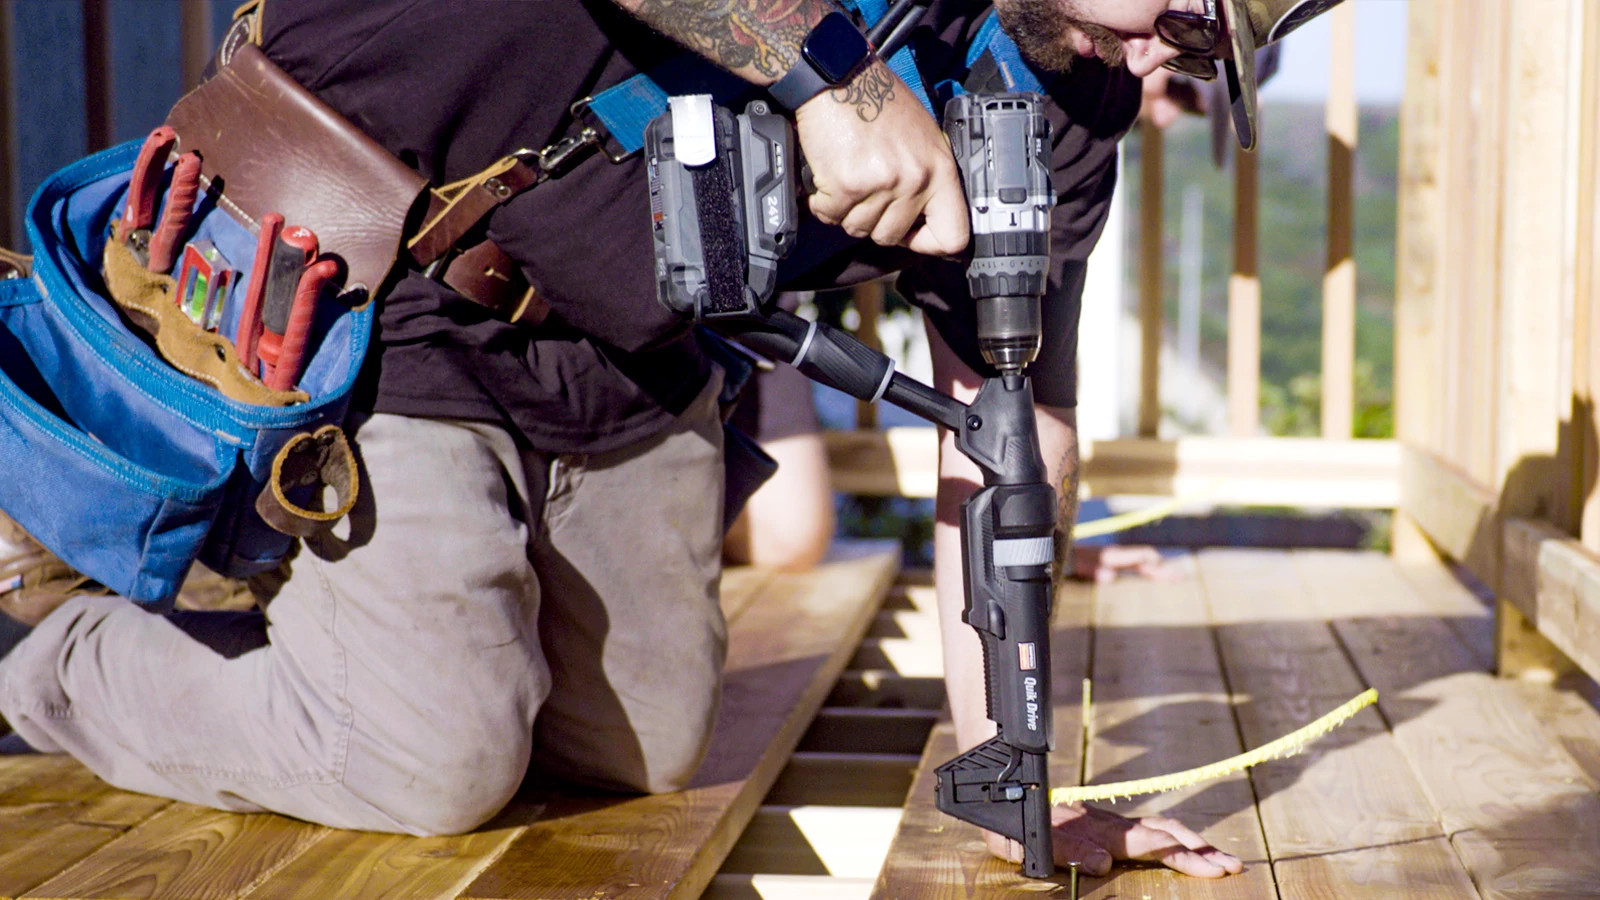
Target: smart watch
<point x="832" y="52"/>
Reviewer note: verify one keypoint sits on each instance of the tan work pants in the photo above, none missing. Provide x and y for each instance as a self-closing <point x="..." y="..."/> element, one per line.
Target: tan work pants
<point x="488" y="606"/>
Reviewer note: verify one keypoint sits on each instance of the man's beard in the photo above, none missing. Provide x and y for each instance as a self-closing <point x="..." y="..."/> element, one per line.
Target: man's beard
<point x="1042" y="30"/>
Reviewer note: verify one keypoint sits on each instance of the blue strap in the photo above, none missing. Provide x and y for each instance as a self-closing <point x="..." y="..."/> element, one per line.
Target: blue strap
<point x="625" y="109"/>
<point x="869" y="10"/>
<point x="904" y="64"/>
<point x="18" y="292"/>
<point x="993" y="40"/>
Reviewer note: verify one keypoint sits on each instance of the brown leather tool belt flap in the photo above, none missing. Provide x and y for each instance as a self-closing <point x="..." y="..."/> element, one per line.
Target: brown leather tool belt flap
<point x="269" y="145"/>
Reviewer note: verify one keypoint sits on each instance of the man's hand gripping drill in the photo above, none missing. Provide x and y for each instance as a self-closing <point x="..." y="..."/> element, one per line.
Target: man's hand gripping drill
<point x="722" y="192"/>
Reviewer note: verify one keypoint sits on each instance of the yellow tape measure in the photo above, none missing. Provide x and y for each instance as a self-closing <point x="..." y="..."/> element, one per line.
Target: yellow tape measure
<point x="1283" y="747"/>
<point x="1124" y="521"/>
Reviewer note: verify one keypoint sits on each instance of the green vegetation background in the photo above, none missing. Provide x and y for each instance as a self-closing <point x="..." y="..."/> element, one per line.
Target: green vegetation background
<point x="1292" y="153"/>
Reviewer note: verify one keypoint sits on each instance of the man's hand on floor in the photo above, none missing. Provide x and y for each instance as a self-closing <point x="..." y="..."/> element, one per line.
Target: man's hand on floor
<point x="1102" y="564"/>
<point x="1094" y="838"/>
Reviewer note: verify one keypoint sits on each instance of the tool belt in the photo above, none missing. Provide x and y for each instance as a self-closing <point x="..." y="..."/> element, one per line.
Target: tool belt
<point x="134" y="438"/>
<point x="143" y="422"/>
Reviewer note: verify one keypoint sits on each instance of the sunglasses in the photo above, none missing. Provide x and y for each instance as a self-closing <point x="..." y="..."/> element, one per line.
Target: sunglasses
<point x="1200" y="68"/>
<point x="1195" y="33"/>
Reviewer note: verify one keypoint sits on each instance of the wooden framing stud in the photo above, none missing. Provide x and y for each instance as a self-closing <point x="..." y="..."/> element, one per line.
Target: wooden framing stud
<point x="1520" y="651"/>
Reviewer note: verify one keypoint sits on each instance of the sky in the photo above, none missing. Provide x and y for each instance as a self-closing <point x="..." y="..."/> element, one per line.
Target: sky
<point x="1380" y="57"/>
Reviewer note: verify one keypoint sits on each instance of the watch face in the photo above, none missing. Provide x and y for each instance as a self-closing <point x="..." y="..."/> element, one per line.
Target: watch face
<point x="835" y="47"/>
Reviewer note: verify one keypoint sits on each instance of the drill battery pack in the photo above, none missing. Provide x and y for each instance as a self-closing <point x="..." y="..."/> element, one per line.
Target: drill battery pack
<point x="723" y="206"/>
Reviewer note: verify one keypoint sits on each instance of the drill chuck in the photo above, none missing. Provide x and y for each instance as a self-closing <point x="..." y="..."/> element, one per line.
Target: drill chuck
<point x="1008" y="331"/>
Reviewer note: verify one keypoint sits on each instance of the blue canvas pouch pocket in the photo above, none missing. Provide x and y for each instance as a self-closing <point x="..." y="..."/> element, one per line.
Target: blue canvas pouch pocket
<point x="126" y="468"/>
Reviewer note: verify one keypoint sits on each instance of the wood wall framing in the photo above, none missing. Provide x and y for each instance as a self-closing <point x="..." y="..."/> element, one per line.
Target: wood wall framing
<point x="1498" y="296"/>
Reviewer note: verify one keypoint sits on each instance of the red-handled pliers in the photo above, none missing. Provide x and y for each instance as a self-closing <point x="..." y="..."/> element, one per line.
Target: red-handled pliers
<point x="140" y="214"/>
<point x="175" y="213"/>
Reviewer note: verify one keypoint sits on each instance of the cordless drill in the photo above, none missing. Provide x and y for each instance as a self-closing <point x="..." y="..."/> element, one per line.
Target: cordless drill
<point x="720" y="225"/>
<point x="1001" y="143"/>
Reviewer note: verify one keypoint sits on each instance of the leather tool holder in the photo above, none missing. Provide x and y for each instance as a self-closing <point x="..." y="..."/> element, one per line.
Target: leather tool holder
<point x="148" y="300"/>
<point x="267" y="144"/>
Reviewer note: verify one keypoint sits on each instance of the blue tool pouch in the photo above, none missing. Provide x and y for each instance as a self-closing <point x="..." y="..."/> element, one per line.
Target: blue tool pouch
<point x="123" y="466"/>
<point x="118" y="462"/>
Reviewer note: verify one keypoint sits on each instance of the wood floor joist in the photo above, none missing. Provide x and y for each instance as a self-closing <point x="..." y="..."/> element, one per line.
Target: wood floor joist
<point x="824" y="829"/>
<point x="934" y="855"/>
<point x="65" y="835"/>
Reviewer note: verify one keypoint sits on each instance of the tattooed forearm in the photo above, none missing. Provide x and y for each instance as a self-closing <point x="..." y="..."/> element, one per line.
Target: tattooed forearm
<point x="869" y="92"/>
<point x="759" y="39"/>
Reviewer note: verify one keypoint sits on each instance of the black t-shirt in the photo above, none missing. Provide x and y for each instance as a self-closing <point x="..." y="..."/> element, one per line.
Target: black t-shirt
<point x="449" y="86"/>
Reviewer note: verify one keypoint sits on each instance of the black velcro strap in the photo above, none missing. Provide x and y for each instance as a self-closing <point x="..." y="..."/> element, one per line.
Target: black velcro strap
<point x="719" y="238"/>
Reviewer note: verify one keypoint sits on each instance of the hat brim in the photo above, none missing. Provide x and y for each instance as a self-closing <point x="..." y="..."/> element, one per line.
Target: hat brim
<point x="1241" y="70"/>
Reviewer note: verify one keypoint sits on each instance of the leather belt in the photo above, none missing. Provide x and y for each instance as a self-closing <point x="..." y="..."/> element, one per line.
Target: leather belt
<point x="484" y="274"/>
<point x="14" y="265"/>
<point x="481" y="272"/>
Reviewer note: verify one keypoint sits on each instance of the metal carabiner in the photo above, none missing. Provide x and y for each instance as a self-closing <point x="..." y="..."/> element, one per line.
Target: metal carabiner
<point x="582" y="112"/>
<point x="555" y="157"/>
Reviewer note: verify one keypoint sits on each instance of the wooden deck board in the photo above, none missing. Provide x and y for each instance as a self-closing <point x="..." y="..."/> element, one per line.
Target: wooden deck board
<point x="1459" y="786"/>
<point x="66" y="835"/>
<point x="935" y="856"/>
<point x="1427" y="869"/>
<point x="782" y="659"/>
<point x="1348" y="792"/>
<point x="1275" y="640"/>
<point x="53" y="813"/>
<point x="185" y="851"/>
<point x="41" y="839"/>
<point x="385" y="866"/>
<point x="1511" y="799"/>
<point x="1161" y="705"/>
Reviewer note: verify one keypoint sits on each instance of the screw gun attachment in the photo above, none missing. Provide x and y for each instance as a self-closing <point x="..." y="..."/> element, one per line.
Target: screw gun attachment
<point x="718" y="185"/>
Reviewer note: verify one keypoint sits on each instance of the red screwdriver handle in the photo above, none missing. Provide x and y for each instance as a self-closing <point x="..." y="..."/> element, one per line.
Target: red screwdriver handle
<point x="291" y="354"/>
<point x="295" y="250"/>
<point x="249" y="331"/>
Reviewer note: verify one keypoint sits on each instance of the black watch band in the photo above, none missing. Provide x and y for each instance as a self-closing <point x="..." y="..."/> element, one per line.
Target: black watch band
<point x="833" y="52"/>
